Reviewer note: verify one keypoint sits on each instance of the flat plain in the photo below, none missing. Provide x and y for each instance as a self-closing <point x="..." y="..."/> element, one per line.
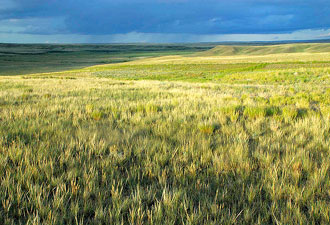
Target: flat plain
<point x="230" y="135"/>
<point x="18" y="59"/>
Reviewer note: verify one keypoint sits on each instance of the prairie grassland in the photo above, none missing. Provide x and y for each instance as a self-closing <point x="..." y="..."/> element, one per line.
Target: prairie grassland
<point x="18" y="59"/>
<point x="247" y="142"/>
<point x="227" y="50"/>
<point x="233" y="59"/>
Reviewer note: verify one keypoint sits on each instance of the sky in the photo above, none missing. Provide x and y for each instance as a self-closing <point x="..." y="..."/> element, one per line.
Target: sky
<point x="162" y="21"/>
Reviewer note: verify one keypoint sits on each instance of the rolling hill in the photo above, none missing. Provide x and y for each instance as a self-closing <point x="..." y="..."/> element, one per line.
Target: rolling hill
<point x="227" y="50"/>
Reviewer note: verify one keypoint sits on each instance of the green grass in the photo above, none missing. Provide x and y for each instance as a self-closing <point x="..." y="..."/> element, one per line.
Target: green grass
<point x="245" y="141"/>
<point x="258" y="73"/>
<point x="19" y="59"/>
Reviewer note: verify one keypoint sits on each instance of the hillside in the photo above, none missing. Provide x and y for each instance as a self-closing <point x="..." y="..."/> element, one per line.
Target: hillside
<point x="227" y="50"/>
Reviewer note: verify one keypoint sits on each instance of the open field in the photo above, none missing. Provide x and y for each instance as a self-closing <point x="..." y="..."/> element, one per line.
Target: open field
<point x="223" y="50"/>
<point x="194" y="139"/>
<point x="18" y="59"/>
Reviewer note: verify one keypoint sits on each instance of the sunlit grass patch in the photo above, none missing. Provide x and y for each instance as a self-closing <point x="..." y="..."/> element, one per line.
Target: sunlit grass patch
<point x="325" y="109"/>
<point x="254" y="112"/>
<point x="209" y="129"/>
<point x="232" y="113"/>
<point x="289" y="113"/>
<point x="97" y="115"/>
<point x="94" y="113"/>
<point x="147" y="108"/>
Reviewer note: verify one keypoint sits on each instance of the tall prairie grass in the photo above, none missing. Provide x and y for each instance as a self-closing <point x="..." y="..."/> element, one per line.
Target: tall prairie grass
<point x="250" y="148"/>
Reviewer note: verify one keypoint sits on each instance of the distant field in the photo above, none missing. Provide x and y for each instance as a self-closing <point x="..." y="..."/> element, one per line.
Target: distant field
<point x="175" y="139"/>
<point x="276" y="68"/>
<point x="225" y="50"/>
<point x="18" y="59"/>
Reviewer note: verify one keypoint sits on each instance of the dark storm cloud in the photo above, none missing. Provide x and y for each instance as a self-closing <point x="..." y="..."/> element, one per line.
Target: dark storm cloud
<point x="101" y="17"/>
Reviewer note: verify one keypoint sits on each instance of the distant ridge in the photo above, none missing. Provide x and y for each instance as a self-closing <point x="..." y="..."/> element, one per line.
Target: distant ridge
<point x="228" y="50"/>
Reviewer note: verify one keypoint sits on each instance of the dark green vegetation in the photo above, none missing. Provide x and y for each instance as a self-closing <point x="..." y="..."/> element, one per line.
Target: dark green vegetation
<point x="18" y="59"/>
<point x="139" y="143"/>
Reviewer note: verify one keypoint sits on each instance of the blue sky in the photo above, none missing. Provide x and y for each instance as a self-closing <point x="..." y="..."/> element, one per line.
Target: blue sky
<point x="105" y="21"/>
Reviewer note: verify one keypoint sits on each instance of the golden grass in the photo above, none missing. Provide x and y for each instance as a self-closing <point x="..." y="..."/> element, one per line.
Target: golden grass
<point x="282" y="57"/>
<point x="252" y="148"/>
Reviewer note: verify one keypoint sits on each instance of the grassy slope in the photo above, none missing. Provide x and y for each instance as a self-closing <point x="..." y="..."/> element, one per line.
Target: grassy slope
<point x="259" y="69"/>
<point x="224" y="50"/>
<point x="126" y="143"/>
<point x="215" y="68"/>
